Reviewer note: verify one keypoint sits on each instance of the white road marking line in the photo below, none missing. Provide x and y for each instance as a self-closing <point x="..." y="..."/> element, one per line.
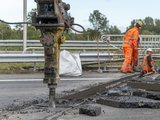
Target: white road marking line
<point x="62" y="79"/>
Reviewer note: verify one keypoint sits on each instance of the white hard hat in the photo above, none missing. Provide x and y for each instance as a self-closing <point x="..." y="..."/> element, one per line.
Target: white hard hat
<point x="149" y="50"/>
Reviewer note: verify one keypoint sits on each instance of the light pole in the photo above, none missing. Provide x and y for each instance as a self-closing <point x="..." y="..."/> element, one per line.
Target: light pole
<point x="25" y="25"/>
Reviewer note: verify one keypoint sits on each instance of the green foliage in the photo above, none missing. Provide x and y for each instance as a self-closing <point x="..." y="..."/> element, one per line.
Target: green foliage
<point x="99" y="21"/>
<point x="151" y="26"/>
<point x="93" y="34"/>
<point x="157" y="26"/>
<point x="114" y="30"/>
<point x="75" y="36"/>
<point x="5" y="31"/>
<point x="17" y="32"/>
<point x="20" y="68"/>
<point x="100" y="26"/>
<point x="148" y="26"/>
<point x="32" y="33"/>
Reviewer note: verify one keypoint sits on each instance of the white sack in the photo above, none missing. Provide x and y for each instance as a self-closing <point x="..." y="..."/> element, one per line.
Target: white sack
<point x="70" y="64"/>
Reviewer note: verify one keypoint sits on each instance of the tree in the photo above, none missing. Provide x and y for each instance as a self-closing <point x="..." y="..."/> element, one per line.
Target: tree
<point x="151" y="26"/>
<point x="17" y="32"/>
<point x="5" y="31"/>
<point x="99" y="22"/>
<point x="114" y="30"/>
<point x="93" y="34"/>
<point x="33" y="33"/>
<point x="148" y="26"/>
<point x="157" y="26"/>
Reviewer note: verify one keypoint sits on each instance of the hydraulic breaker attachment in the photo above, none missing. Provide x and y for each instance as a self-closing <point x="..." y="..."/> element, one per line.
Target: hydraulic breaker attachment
<point x="52" y="20"/>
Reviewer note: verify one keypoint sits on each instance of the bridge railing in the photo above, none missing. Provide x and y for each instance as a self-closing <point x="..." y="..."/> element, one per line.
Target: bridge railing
<point x="146" y="40"/>
<point x="88" y="50"/>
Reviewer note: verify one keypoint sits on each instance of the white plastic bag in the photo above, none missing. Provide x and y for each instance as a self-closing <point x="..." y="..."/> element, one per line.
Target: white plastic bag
<point x="70" y="64"/>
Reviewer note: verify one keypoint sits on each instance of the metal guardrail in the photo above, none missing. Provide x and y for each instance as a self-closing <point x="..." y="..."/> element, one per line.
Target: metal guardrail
<point x="69" y="43"/>
<point x="8" y="58"/>
<point x="85" y="57"/>
<point x="40" y="57"/>
<point x="152" y="41"/>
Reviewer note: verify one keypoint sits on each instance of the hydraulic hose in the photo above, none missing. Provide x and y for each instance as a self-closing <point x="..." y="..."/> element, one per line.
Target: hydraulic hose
<point x="11" y="23"/>
<point x="83" y="29"/>
<point x="14" y="22"/>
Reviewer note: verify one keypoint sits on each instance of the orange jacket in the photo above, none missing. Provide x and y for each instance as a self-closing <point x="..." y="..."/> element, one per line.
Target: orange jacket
<point x="145" y="64"/>
<point x="131" y="38"/>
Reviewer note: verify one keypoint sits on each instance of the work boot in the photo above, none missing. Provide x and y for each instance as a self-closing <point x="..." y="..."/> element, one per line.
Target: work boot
<point x="136" y="69"/>
<point x="130" y="71"/>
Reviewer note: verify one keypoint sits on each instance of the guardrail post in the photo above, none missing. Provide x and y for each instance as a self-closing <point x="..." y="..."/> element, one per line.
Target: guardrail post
<point x="34" y="66"/>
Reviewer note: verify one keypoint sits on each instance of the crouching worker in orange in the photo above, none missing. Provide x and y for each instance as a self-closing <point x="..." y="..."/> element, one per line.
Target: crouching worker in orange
<point x="130" y="47"/>
<point x="147" y="65"/>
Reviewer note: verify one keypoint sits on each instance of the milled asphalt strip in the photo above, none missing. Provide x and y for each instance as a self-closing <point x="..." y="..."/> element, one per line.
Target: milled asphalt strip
<point x="62" y="79"/>
<point x="85" y="93"/>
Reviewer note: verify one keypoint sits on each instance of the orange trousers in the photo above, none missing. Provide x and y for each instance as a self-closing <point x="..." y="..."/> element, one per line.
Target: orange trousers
<point x="126" y="66"/>
<point x="135" y="57"/>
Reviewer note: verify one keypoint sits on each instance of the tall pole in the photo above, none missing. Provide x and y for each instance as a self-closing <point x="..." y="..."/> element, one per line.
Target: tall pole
<point x="25" y="25"/>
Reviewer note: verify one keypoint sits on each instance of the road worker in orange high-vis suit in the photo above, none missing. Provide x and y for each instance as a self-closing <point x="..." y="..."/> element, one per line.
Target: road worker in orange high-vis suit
<point x="147" y="64"/>
<point x="130" y="47"/>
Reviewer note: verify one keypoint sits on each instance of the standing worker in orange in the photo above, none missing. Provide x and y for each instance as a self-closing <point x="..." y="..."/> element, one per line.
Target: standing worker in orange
<point x="130" y="47"/>
<point x="147" y="65"/>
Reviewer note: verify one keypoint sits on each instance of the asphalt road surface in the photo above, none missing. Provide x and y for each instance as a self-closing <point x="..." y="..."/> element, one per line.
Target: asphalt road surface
<point x="18" y="89"/>
<point x="26" y="87"/>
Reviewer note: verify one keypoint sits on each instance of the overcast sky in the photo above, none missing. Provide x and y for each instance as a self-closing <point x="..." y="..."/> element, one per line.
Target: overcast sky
<point x="118" y="12"/>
